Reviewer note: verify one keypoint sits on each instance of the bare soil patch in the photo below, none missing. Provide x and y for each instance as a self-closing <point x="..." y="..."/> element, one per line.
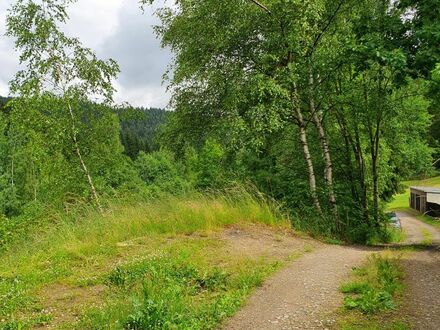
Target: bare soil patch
<point x="260" y="241"/>
<point x="65" y="303"/>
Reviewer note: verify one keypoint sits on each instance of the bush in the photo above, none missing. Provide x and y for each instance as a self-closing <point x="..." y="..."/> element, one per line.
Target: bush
<point x="19" y="227"/>
<point x="160" y="170"/>
<point x="206" y="167"/>
<point x="168" y="285"/>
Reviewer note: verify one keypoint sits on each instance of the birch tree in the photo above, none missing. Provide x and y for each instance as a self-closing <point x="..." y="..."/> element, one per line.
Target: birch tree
<point x="58" y="66"/>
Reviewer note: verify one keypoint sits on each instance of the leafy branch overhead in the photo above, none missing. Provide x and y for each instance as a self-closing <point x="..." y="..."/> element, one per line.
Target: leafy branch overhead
<point x="53" y="61"/>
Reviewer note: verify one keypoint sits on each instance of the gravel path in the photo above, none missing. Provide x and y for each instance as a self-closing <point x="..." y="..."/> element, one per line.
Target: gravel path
<point x="422" y="301"/>
<point x="422" y="269"/>
<point x="303" y="295"/>
<point x="414" y="229"/>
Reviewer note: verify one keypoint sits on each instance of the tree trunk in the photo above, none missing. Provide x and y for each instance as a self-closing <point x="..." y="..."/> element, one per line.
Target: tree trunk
<point x="375" y="142"/>
<point x="81" y="160"/>
<point x="328" y="173"/>
<point x="348" y="144"/>
<point x="375" y="190"/>
<point x="357" y="148"/>
<point x="307" y="155"/>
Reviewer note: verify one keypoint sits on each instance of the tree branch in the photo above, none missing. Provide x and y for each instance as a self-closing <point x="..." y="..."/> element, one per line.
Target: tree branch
<point x="259" y="4"/>
<point x="326" y="27"/>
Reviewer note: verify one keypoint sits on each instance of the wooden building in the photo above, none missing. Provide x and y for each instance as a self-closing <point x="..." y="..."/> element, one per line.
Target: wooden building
<point x="425" y="200"/>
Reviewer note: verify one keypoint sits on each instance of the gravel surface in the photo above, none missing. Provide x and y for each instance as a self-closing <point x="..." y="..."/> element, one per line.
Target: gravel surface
<point x="422" y="300"/>
<point x="304" y="295"/>
<point x="414" y="229"/>
<point x="422" y="270"/>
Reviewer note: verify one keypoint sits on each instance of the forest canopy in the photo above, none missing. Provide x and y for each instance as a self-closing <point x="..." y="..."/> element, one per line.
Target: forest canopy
<point x="323" y="106"/>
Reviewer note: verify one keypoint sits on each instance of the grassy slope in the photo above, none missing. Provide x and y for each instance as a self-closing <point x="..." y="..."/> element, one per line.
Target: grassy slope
<point x="401" y="201"/>
<point x="135" y="261"/>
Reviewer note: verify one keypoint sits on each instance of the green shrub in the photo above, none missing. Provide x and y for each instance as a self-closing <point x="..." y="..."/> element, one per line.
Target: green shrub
<point x="162" y="172"/>
<point x="173" y="292"/>
<point x="355" y="287"/>
<point x="207" y="166"/>
<point x="376" y="288"/>
<point x="18" y="228"/>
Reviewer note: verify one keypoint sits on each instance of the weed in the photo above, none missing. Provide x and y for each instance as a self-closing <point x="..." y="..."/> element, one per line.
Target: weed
<point x="376" y="286"/>
<point x="333" y="241"/>
<point x="355" y="287"/>
<point x="356" y="322"/>
<point x="175" y="293"/>
<point x="372" y="297"/>
<point x="429" y="220"/>
<point x="427" y="236"/>
<point x="387" y="234"/>
<point x="308" y="248"/>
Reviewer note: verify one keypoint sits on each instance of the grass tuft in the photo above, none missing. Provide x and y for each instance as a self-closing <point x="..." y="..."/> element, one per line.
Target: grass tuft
<point x="372" y="297"/>
<point x="376" y="285"/>
<point x="158" y="259"/>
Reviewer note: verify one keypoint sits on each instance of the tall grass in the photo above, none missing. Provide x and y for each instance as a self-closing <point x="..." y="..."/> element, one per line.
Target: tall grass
<point x="95" y="234"/>
<point x="73" y="247"/>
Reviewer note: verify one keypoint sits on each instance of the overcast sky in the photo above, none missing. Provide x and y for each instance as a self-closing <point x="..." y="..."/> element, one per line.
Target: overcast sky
<point x="116" y="29"/>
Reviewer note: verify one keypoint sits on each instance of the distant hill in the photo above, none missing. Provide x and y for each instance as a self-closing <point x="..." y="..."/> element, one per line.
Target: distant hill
<point x="3" y="101"/>
<point x="139" y="127"/>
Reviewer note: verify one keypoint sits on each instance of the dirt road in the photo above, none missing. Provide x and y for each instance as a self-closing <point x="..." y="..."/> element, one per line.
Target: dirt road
<point x="303" y="295"/>
<point x="418" y="232"/>
<point x="422" y="270"/>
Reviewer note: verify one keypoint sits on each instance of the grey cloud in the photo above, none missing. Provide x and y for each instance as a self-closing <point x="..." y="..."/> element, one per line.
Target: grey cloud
<point x="133" y="44"/>
<point x="9" y="61"/>
<point x="135" y="47"/>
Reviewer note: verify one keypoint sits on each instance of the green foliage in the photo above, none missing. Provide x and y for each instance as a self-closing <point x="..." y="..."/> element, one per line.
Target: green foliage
<point x="206" y="168"/>
<point x="140" y="128"/>
<point x="274" y="99"/>
<point x="160" y="171"/>
<point x="53" y="61"/>
<point x="255" y="86"/>
<point x="172" y="270"/>
<point x="165" y="283"/>
<point x="421" y="29"/>
<point x="59" y="75"/>
<point x="164" y="243"/>
<point x="38" y="163"/>
<point x="378" y="284"/>
<point x="434" y="94"/>
<point x="3" y="102"/>
<point x="173" y="293"/>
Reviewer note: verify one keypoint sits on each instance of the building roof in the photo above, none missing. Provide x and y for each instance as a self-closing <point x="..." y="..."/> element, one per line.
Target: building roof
<point x="429" y="190"/>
